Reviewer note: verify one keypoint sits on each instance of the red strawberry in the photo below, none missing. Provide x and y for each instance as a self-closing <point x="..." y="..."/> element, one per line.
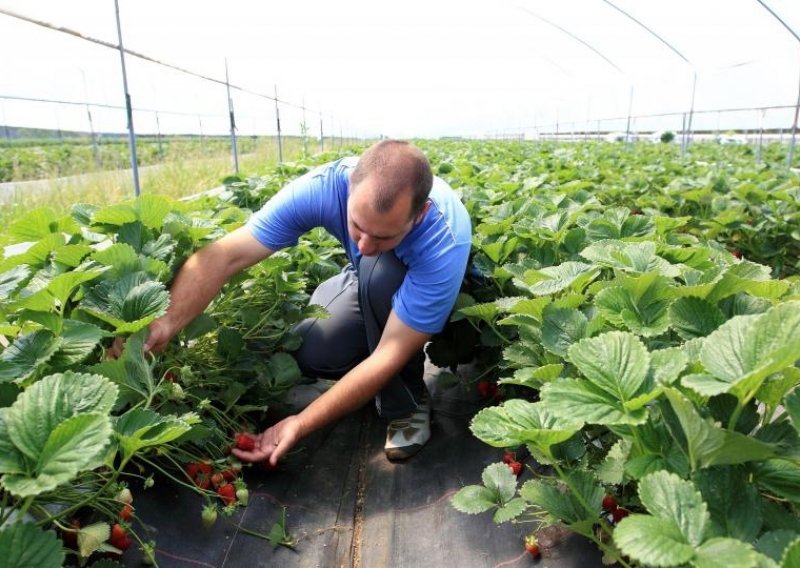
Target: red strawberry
<point x="509" y="457"/>
<point x="70" y="537"/>
<point x="736" y="253"/>
<point x="619" y="513"/>
<point x="516" y="467"/>
<point x="532" y="546"/>
<point x="244" y="442"/>
<point x="229" y="474"/>
<point x="119" y="537"/>
<point x="487" y="389"/>
<point x="609" y="503"/>
<point x="227" y="493"/>
<point x="217" y="480"/>
<point x="200" y="474"/>
<point x="126" y="514"/>
<point x="266" y="466"/>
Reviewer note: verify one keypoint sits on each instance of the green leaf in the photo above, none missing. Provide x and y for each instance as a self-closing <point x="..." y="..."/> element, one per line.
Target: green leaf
<point x="534" y="377"/>
<point x="667" y="496"/>
<point x="129" y="304"/>
<point x="473" y="499"/>
<point x="498" y="478"/>
<point x="37" y="224"/>
<point x="629" y="257"/>
<point x="139" y="428"/>
<point x="791" y="558"/>
<point x="792" y="405"/>
<point x="573" y="399"/>
<point x="693" y="317"/>
<point x="78" y="341"/>
<point x="24" y="545"/>
<point x="27" y="355"/>
<point x="775" y="543"/>
<point x="612" y="470"/>
<point x="10" y="280"/>
<point x="744" y="351"/>
<point x="510" y="510"/>
<point x="92" y="537"/>
<point x="706" y="444"/>
<point x="554" y="279"/>
<point x="615" y="362"/>
<point x="652" y="541"/>
<point x="39" y="410"/>
<point x="131" y="372"/>
<point x="561" y="328"/>
<point x="725" y="553"/>
<point x="11" y="459"/>
<point x="733" y="502"/>
<point x="75" y="445"/>
<point x="780" y="477"/>
<point x="637" y="303"/>
<point x="666" y="365"/>
<point x="582" y="502"/>
<point x="519" y="422"/>
<point x="62" y="286"/>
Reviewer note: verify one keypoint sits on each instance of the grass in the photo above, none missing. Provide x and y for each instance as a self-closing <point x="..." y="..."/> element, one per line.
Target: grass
<point x="189" y="175"/>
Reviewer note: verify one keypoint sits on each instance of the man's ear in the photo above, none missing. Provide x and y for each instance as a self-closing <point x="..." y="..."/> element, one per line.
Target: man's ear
<point x="421" y="214"/>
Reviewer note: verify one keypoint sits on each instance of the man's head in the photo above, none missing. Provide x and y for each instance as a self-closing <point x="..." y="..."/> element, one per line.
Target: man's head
<point x="389" y="191"/>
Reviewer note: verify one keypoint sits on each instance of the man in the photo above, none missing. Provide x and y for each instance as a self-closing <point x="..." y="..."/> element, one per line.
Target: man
<point x="407" y="237"/>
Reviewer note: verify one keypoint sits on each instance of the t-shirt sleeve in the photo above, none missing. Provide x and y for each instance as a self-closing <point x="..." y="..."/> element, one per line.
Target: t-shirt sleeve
<point x="428" y="293"/>
<point x="295" y="209"/>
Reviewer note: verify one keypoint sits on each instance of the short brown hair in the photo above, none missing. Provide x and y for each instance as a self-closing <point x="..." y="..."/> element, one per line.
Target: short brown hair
<point x="399" y="166"/>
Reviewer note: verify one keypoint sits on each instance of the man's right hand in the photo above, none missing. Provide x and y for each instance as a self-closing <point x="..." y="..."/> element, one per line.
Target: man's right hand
<point x="160" y="334"/>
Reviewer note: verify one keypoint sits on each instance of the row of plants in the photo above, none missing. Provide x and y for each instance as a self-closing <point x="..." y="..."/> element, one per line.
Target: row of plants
<point x="79" y="430"/>
<point x="22" y="161"/>
<point x="640" y="311"/>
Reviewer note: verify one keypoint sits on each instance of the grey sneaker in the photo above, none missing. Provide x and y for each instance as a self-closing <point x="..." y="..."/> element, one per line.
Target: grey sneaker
<point x="406" y="436"/>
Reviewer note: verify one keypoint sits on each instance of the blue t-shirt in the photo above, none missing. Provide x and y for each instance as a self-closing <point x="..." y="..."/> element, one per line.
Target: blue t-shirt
<point x="435" y="251"/>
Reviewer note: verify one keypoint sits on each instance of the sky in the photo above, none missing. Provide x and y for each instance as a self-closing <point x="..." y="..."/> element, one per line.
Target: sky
<point x="418" y="68"/>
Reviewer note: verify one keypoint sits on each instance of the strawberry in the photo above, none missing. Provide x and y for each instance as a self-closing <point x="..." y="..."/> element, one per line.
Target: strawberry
<point x="217" y="480"/>
<point x="532" y="546"/>
<point x="619" y="513"/>
<point x="244" y="442"/>
<point x="487" y="389"/>
<point x="227" y="493"/>
<point x="736" y="253"/>
<point x="126" y="514"/>
<point x="70" y="537"/>
<point x="242" y="493"/>
<point x="200" y="474"/>
<point x="609" y="503"/>
<point x="125" y="496"/>
<point x="119" y="537"/>
<point x="209" y="515"/>
<point x="516" y="467"/>
<point x="229" y="474"/>
<point x="509" y="457"/>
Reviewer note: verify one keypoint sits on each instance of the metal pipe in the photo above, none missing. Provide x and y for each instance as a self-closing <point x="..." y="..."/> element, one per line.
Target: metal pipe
<point x="234" y="150"/>
<point x="691" y="111"/>
<point x="278" y="121"/>
<point x="128" y="107"/>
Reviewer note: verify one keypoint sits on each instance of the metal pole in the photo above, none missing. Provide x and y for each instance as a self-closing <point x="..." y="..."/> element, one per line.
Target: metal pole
<point x="278" y="121"/>
<point x="790" y="158"/>
<point x="128" y="108"/>
<point x="95" y="152"/>
<point x="760" y="135"/>
<point x="305" y="129"/>
<point x="158" y="134"/>
<point x="233" y="122"/>
<point x="628" y="125"/>
<point x="691" y="112"/>
<point x="5" y="124"/>
<point x="683" y="134"/>
<point x="202" y="138"/>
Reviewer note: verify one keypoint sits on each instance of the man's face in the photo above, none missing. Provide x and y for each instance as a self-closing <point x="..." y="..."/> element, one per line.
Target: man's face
<point x="375" y="232"/>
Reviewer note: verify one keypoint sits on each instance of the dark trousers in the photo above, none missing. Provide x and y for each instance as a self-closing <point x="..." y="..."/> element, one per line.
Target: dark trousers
<point x="359" y="302"/>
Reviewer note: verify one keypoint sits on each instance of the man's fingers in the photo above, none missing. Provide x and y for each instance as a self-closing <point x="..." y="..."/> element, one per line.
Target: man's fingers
<point x="255" y="455"/>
